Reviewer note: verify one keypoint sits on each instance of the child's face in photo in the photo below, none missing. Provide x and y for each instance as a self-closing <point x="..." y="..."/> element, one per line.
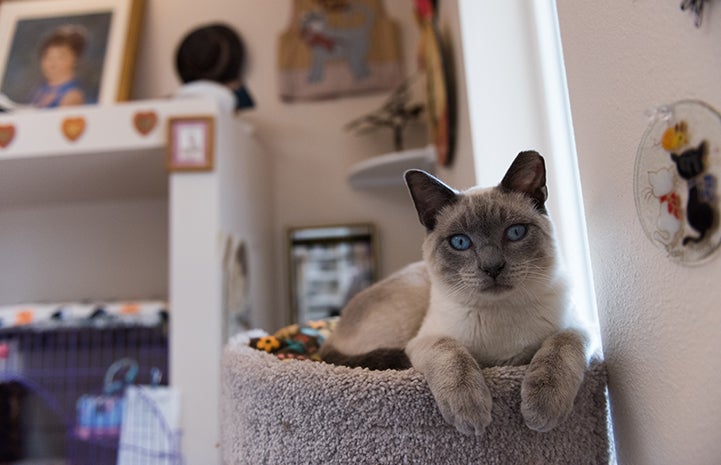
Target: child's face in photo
<point x="58" y="62"/>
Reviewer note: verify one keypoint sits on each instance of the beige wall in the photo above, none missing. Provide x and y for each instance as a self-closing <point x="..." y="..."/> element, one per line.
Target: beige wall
<point x="661" y="322"/>
<point x="311" y="153"/>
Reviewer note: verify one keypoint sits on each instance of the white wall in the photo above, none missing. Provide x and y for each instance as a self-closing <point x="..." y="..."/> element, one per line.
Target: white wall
<point x="660" y="321"/>
<point x="119" y="251"/>
<point x="311" y="153"/>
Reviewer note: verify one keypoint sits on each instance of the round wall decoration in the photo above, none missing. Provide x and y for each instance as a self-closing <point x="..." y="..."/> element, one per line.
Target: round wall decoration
<point x="678" y="165"/>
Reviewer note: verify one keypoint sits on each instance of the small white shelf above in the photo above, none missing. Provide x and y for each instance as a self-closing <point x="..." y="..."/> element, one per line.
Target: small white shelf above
<point x="387" y="170"/>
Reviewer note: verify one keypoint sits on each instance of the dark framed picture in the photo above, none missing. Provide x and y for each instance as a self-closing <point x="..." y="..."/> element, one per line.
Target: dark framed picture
<point x="327" y="266"/>
<point x="190" y="143"/>
<point x="68" y="52"/>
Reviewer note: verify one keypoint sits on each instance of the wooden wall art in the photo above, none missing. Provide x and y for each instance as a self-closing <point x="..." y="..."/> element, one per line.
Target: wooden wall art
<point x="332" y="49"/>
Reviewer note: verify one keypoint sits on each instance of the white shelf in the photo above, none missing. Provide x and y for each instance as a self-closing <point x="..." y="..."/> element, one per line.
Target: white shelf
<point x="387" y="170"/>
<point x="110" y="160"/>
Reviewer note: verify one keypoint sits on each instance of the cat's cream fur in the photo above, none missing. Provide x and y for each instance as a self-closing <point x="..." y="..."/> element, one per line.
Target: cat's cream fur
<point x="500" y="302"/>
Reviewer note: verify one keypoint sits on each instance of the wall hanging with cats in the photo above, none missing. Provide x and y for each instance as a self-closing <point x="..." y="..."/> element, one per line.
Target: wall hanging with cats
<point x="676" y="176"/>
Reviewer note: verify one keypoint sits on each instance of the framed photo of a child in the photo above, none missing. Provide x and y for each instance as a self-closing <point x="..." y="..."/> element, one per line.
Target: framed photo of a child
<point x="68" y="52"/>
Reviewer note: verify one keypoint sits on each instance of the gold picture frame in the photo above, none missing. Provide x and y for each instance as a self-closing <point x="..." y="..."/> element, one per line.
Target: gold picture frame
<point x="191" y="143"/>
<point x="101" y="35"/>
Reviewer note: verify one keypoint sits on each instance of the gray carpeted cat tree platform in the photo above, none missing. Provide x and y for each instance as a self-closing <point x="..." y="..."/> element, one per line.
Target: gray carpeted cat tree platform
<point x="303" y="412"/>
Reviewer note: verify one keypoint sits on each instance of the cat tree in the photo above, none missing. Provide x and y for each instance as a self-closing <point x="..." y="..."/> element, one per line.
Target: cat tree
<point x="294" y="411"/>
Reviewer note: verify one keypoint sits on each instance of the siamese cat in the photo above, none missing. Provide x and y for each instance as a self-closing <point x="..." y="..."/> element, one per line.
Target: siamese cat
<point x="489" y="291"/>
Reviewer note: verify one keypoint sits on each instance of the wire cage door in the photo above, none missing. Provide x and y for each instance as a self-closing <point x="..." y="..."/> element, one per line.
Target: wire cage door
<point x="46" y="372"/>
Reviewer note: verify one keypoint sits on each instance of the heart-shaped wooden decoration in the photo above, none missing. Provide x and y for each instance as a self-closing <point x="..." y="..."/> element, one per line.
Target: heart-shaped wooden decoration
<point x="145" y="122"/>
<point x="73" y="128"/>
<point x="7" y="133"/>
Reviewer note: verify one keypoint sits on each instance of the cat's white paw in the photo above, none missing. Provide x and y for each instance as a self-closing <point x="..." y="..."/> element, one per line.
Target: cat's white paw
<point x="466" y="404"/>
<point x="546" y="399"/>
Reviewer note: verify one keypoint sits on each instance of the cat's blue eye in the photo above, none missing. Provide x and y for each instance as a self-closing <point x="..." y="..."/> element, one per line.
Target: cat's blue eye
<point x="460" y="242"/>
<point x="516" y="232"/>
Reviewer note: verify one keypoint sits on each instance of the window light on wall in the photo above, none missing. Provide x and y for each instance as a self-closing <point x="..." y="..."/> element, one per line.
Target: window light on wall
<point x="518" y="100"/>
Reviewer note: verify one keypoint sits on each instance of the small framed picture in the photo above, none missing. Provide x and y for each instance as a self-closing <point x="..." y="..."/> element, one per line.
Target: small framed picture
<point x="190" y="143"/>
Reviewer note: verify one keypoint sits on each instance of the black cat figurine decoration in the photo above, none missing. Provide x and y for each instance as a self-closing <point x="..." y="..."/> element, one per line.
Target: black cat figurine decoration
<point x="701" y="212"/>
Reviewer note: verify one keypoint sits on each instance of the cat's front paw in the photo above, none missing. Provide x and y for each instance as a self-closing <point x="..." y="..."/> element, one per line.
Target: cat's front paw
<point x="545" y="398"/>
<point x="552" y="380"/>
<point x="466" y="404"/>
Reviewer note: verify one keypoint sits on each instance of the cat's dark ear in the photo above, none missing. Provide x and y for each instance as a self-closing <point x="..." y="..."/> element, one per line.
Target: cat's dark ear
<point x="429" y="195"/>
<point x="527" y="174"/>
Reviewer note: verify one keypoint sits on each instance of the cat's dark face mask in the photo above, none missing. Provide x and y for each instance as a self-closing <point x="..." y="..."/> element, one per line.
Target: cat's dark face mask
<point x="243" y="100"/>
